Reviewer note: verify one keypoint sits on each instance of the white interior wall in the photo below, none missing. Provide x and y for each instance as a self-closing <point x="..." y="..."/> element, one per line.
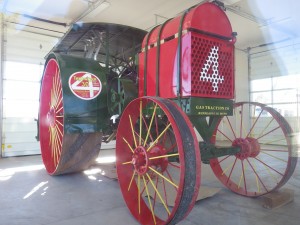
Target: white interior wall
<point x="22" y="42"/>
<point x="25" y="44"/>
<point x="241" y="76"/>
<point x="1" y="73"/>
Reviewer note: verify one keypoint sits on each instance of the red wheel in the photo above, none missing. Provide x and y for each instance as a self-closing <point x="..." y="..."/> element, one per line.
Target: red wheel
<point x="61" y="152"/>
<point x="158" y="161"/>
<point x="267" y="156"/>
<point x="51" y="116"/>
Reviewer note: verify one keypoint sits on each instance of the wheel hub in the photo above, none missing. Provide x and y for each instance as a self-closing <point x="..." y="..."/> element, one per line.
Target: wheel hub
<point x="140" y="160"/>
<point x="51" y="115"/>
<point x="143" y="159"/>
<point x="249" y="147"/>
<point x="160" y="164"/>
<point x="255" y="147"/>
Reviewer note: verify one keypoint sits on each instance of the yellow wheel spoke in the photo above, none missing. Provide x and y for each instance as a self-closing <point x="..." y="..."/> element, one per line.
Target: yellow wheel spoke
<point x="269" y="132"/>
<point x="128" y="145"/>
<point x="158" y="194"/>
<point x="227" y="168"/>
<point x="129" y="186"/>
<point x="266" y="127"/>
<point x="57" y="110"/>
<point x="275" y="157"/>
<point x="150" y="125"/>
<point x="57" y="88"/>
<point x="125" y="163"/>
<point x="140" y="138"/>
<point x="139" y="194"/>
<point x="242" y="175"/>
<point x="162" y="176"/>
<point x="229" y="126"/>
<point x="52" y="144"/>
<point x="269" y="171"/>
<point x="58" y="103"/>
<point x="50" y="136"/>
<point x="56" y="149"/>
<point x="50" y="141"/>
<point x="270" y="142"/>
<point x="256" y="177"/>
<point x="58" y="122"/>
<point x="54" y="90"/>
<point x="54" y="81"/>
<point x="164" y="156"/>
<point x="255" y="119"/>
<point x="150" y="203"/>
<point x="56" y="145"/>
<point x="51" y="98"/>
<point x="156" y="140"/>
<point x="240" y="118"/>
<point x="61" y="134"/>
<point x="132" y="130"/>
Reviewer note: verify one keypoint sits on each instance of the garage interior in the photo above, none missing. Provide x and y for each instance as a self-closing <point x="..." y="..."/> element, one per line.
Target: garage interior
<point x="266" y="70"/>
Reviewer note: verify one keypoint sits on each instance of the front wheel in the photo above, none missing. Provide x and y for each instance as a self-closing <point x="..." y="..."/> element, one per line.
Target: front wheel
<point x="158" y="161"/>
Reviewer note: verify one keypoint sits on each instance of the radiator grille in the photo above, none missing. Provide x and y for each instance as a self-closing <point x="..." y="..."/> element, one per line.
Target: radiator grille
<point x="212" y="67"/>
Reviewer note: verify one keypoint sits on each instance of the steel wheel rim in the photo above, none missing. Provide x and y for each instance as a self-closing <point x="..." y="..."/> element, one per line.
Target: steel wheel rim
<point x="51" y="116"/>
<point x="265" y="163"/>
<point x="133" y="181"/>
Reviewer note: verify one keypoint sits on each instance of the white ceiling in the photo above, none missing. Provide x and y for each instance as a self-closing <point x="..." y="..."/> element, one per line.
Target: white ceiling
<point x="256" y="21"/>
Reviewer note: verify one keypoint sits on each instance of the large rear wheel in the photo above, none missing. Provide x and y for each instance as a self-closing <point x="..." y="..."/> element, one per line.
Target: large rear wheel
<point x="61" y="152"/>
<point x="267" y="157"/>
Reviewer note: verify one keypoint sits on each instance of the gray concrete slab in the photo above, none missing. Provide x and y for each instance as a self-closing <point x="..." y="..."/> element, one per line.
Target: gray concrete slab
<point x="29" y="196"/>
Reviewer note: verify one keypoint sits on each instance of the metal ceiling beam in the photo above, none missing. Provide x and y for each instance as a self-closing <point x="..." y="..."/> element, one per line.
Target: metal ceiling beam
<point x="44" y="20"/>
<point x="246" y="15"/>
<point x="40" y="28"/>
<point x="94" y="5"/>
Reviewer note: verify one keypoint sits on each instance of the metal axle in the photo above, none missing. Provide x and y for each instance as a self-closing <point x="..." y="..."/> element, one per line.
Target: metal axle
<point x="210" y="151"/>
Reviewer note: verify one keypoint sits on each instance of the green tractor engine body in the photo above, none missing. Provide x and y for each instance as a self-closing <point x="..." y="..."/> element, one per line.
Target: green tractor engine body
<point x="84" y="89"/>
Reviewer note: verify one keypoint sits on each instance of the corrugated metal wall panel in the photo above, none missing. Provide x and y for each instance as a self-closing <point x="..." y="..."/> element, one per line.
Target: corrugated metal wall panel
<point x="25" y="47"/>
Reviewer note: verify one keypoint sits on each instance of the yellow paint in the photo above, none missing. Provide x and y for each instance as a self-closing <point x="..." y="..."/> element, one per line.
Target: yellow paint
<point x="158" y="194"/>
<point x="150" y="203"/>
<point x="150" y="125"/>
<point x="6" y="147"/>
<point x="132" y="130"/>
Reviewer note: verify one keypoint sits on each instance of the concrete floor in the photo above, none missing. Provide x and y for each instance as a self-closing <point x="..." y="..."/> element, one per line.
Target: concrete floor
<point x="29" y="196"/>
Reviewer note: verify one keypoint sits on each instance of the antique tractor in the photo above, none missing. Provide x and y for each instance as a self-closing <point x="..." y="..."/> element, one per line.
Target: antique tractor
<point x="181" y="82"/>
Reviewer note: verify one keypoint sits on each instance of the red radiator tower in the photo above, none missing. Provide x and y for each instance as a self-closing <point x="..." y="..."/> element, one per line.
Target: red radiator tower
<point x="205" y="67"/>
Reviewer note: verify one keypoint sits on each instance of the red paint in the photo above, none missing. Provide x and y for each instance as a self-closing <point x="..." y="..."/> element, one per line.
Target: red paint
<point x="196" y="48"/>
<point x="85" y="85"/>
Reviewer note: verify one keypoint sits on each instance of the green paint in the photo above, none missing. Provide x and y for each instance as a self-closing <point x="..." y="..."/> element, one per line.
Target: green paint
<point x="210" y="151"/>
<point x="82" y="116"/>
<point x="207" y="106"/>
